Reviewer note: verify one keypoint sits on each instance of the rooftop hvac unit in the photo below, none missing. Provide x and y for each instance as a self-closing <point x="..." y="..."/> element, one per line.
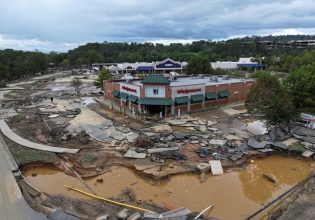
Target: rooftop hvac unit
<point x="214" y="79"/>
<point x="128" y="77"/>
<point x="226" y="77"/>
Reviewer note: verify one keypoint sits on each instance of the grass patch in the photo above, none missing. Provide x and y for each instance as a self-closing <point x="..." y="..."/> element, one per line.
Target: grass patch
<point x="24" y="155"/>
<point x="297" y="147"/>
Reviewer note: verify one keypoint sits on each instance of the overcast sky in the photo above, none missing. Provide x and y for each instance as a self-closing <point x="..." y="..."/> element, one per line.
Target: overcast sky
<point x="60" y="25"/>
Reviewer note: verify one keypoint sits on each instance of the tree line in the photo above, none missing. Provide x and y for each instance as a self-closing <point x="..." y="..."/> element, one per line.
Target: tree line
<point x="17" y="64"/>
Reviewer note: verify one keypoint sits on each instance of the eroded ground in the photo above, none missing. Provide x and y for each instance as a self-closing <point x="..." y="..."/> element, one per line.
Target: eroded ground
<point x="118" y="151"/>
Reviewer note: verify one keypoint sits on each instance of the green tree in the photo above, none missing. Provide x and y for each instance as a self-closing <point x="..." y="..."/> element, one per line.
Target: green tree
<point x="301" y="85"/>
<point x="65" y="63"/>
<point x="199" y="65"/>
<point x="103" y="75"/>
<point x="270" y="99"/>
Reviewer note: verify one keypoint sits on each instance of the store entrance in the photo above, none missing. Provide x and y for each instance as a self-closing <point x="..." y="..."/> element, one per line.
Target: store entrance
<point x="155" y="109"/>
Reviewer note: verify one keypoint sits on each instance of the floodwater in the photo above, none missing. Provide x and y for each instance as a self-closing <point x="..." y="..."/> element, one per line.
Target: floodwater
<point x="236" y="194"/>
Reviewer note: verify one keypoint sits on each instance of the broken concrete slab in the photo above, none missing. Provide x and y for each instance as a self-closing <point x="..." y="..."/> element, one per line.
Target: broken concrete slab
<point x="115" y="134"/>
<point x="102" y="217"/>
<point x="134" y="216"/>
<point x="210" y="123"/>
<point x="257" y="128"/>
<point x="202" y="128"/>
<point x="213" y="129"/>
<point x="235" y="157"/>
<point x="308" y="153"/>
<point x="280" y="145"/>
<point x="290" y="141"/>
<point x="123" y="129"/>
<point x="149" y="134"/>
<point x="280" y="133"/>
<point x="273" y="134"/>
<point x="134" y="154"/>
<point x="216" y="167"/>
<point x="218" y="142"/>
<point x="231" y="111"/>
<point x="87" y="120"/>
<point x="255" y="144"/>
<point x="161" y="128"/>
<point x="131" y="137"/>
<point x="160" y="150"/>
<point x="176" y="122"/>
<point x="177" y="214"/>
<point x="232" y="137"/>
<point x="53" y="116"/>
<point x="87" y="100"/>
<point x="265" y="150"/>
<point x="304" y="134"/>
<point x="123" y="214"/>
<point x="180" y="135"/>
<point x="203" y="167"/>
<point x="306" y="144"/>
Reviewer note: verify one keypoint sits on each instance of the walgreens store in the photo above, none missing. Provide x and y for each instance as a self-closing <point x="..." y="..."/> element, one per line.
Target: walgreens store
<point x="157" y="94"/>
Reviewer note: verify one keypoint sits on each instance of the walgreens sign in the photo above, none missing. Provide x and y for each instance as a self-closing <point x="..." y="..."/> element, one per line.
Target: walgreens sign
<point x="186" y="91"/>
<point x="130" y="89"/>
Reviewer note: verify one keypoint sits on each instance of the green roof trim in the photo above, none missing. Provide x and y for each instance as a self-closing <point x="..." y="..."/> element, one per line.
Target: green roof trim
<point x="132" y="98"/>
<point x="155" y="101"/>
<point x="115" y="93"/>
<point x="224" y="94"/>
<point x="211" y="95"/>
<point x="123" y="95"/>
<point x="182" y="100"/>
<point x="156" y="79"/>
<point x="197" y="98"/>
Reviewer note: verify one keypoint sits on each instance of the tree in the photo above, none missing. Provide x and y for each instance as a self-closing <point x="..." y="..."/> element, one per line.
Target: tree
<point x="77" y="85"/>
<point x="65" y="63"/>
<point x="103" y="75"/>
<point x="301" y="85"/>
<point x="270" y="99"/>
<point x="199" y="65"/>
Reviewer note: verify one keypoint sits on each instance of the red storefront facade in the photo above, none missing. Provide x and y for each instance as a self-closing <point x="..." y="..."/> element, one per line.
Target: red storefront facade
<point x="157" y="94"/>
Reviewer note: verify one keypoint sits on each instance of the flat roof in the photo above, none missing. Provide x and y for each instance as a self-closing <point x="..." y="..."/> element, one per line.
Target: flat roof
<point x="184" y="81"/>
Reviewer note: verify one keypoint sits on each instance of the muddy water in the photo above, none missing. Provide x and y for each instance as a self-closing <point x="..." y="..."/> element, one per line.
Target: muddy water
<point x="235" y="194"/>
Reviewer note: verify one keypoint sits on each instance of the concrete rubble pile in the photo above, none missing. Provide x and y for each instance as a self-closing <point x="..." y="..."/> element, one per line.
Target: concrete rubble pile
<point x="230" y="144"/>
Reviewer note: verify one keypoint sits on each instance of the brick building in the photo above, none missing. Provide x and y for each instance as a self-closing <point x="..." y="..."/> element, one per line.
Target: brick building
<point x="157" y="94"/>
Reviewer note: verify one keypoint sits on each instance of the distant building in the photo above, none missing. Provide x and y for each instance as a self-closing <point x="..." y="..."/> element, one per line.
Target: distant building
<point x="157" y="94"/>
<point x="242" y="63"/>
<point x="165" y="66"/>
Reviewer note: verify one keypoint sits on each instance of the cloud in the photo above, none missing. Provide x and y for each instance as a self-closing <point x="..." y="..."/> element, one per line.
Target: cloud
<point x="33" y="44"/>
<point x="54" y="22"/>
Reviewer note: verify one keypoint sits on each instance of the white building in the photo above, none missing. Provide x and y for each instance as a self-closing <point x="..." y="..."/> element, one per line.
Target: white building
<point x="232" y="64"/>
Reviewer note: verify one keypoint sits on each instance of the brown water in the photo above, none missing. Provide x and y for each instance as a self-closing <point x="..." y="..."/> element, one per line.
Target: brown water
<point x="235" y="194"/>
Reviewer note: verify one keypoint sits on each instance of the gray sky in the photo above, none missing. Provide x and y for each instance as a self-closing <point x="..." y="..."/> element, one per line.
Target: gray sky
<point x="60" y="25"/>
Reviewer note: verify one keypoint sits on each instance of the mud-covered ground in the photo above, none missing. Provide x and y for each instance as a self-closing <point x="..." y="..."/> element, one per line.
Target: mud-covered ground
<point x="45" y="122"/>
